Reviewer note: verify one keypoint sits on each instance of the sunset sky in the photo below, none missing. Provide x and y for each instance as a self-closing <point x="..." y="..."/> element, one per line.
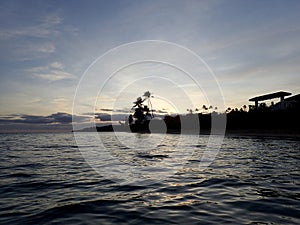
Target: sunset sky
<point x="253" y="47"/>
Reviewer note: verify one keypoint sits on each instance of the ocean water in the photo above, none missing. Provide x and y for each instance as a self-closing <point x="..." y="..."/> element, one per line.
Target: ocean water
<point x="148" y="179"/>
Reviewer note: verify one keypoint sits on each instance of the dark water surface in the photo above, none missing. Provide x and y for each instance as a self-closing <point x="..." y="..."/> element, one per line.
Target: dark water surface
<point x="46" y="180"/>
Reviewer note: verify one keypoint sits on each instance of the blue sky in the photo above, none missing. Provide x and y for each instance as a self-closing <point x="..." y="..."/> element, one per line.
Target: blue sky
<point x="253" y="47"/>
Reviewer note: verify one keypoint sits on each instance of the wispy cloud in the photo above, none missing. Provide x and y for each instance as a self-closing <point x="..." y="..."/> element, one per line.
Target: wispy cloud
<point x="56" y="122"/>
<point x="125" y="110"/>
<point x="23" y="51"/>
<point x="50" y="20"/>
<point x="54" y="75"/>
<point x="55" y="118"/>
<point x="44" y="48"/>
<point x="45" y="27"/>
<point x="52" y="72"/>
<point x="29" y="37"/>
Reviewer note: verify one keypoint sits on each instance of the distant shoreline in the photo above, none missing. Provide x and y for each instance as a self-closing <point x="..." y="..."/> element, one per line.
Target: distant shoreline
<point x="265" y="133"/>
<point x="279" y="133"/>
<point x="286" y="132"/>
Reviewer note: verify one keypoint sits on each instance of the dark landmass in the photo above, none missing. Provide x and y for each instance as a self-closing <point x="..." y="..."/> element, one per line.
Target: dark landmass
<point x="238" y="122"/>
<point x="279" y="119"/>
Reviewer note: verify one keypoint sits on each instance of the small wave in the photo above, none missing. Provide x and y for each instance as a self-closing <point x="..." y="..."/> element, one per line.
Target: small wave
<point x="162" y="145"/>
<point x="20" y="175"/>
<point x="150" y="156"/>
<point x="58" y="212"/>
<point x="59" y="146"/>
<point x="198" y="146"/>
<point x="278" y="193"/>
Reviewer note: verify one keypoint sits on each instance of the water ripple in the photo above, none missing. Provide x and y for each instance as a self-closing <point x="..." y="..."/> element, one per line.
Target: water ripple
<point x="253" y="180"/>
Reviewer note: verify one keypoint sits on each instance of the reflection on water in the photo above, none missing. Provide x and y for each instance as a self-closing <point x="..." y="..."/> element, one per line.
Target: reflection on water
<point x="45" y="179"/>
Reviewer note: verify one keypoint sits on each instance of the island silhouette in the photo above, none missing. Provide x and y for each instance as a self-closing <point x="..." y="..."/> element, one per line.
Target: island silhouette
<point x="280" y="118"/>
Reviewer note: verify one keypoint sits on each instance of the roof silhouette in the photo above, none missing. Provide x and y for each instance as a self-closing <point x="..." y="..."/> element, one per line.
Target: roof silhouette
<point x="278" y="94"/>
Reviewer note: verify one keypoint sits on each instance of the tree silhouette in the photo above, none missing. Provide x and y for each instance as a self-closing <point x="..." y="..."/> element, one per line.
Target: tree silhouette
<point x="190" y="111"/>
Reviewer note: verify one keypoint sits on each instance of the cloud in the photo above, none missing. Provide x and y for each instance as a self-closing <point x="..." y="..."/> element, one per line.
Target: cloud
<point x="125" y="110"/>
<point x="24" y="119"/>
<point x="160" y="111"/>
<point x="104" y="117"/>
<point x="22" y="50"/>
<point x="31" y="48"/>
<point x="32" y="128"/>
<point x="61" y="117"/>
<point x="44" y="48"/>
<point x="52" y="19"/>
<point x="106" y="110"/>
<point x="27" y="37"/>
<point x="56" y="118"/>
<point x="52" y="72"/>
<point x="55" y="75"/>
<point x="45" y="27"/>
<point x="57" y="65"/>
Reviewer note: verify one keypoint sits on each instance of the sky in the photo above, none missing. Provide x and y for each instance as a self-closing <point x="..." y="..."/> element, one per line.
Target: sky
<point x="48" y="47"/>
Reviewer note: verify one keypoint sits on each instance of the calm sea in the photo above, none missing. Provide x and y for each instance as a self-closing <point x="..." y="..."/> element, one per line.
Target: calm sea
<point x="45" y="179"/>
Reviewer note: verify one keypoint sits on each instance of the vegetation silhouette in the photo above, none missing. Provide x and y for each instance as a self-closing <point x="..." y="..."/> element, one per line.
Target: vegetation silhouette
<point x="262" y="118"/>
